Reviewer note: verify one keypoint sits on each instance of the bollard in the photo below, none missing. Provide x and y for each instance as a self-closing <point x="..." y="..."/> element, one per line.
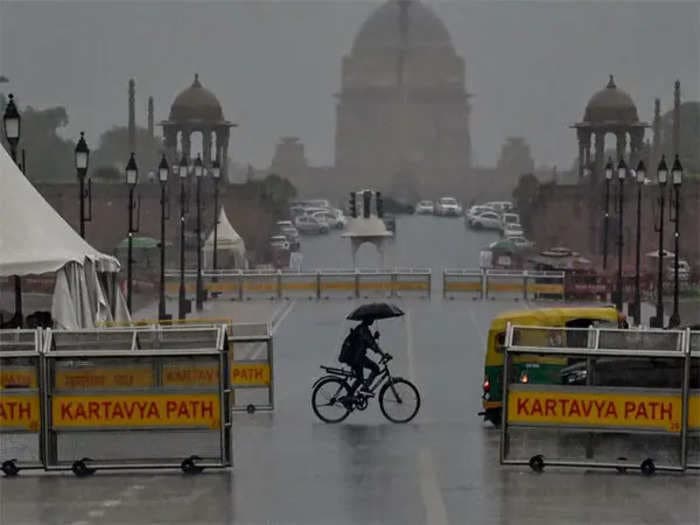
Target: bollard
<point x="318" y="286"/>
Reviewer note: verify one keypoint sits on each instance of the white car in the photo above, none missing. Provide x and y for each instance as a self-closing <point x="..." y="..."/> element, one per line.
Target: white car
<point x="475" y="211"/>
<point x="329" y="217"/>
<point x="521" y="242"/>
<point x="513" y="229"/>
<point x="509" y="218"/>
<point x="311" y="224"/>
<point x="488" y="220"/>
<point x="500" y="206"/>
<point x="279" y="242"/>
<point x="425" y="208"/>
<point x="448" y="206"/>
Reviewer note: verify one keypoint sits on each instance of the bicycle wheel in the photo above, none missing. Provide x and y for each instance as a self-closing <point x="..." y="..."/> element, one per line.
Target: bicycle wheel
<point x="399" y="400"/>
<point x="327" y="400"/>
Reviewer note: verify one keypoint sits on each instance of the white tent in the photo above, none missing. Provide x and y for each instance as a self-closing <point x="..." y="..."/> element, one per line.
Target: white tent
<point x="230" y="247"/>
<point x="34" y="240"/>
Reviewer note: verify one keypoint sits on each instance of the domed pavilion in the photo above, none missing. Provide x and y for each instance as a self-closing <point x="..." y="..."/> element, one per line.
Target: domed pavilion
<point x="196" y="109"/>
<point x="610" y="110"/>
<point x="403" y="112"/>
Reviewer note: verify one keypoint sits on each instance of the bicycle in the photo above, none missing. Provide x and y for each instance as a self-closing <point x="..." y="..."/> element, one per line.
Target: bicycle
<point x="332" y="400"/>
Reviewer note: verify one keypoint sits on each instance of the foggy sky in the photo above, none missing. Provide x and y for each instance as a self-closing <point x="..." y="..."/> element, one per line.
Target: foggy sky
<point x="275" y="66"/>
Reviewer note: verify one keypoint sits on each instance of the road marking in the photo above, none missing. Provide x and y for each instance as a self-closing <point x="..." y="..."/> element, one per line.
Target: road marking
<point x="435" y="511"/>
<point x="283" y="315"/>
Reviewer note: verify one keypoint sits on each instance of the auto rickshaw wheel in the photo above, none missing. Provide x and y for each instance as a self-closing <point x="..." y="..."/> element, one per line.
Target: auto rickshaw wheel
<point x="10" y="468"/>
<point x="648" y="467"/>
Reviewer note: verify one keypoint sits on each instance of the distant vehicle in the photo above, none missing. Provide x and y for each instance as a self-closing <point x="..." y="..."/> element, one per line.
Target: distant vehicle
<point x="513" y="229"/>
<point x="425" y="208"/>
<point x="521" y="242"/>
<point x="318" y="203"/>
<point x="295" y="211"/>
<point x="311" y="224"/>
<point x="683" y="271"/>
<point x="500" y="206"/>
<point x="509" y="218"/>
<point x="329" y="217"/>
<point x="291" y="233"/>
<point x="477" y="210"/>
<point x="488" y="220"/>
<point x="390" y="222"/>
<point x="279" y="242"/>
<point x="448" y="207"/>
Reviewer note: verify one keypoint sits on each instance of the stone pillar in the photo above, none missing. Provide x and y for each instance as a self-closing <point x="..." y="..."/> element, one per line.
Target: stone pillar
<point x="149" y="116"/>
<point x="676" y="118"/>
<point x="621" y="144"/>
<point x="186" y="144"/>
<point x="132" y="116"/>
<point x="222" y="137"/>
<point x="656" y="130"/>
<point x="206" y="147"/>
<point x="599" y="155"/>
<point x="636" y="143"/>
<point x="170" y="135"/>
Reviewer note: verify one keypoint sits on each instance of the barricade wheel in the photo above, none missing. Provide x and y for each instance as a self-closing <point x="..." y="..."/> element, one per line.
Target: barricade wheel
<point x="648" y="467"/>
<point x="621" y="470"/>
<point x="80" y="469"/>
<point x="188" y="465"/>
<point x="537" y="463"/>
<point x="250" y="409"/>
<point x="9" y="468"/>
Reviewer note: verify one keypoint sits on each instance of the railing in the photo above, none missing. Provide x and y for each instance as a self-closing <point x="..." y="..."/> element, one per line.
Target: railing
<point x="490" y="284"/>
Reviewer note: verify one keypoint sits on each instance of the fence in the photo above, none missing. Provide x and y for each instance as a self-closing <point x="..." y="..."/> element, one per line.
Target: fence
<point x="131" y="399"/>
<point x="319" y="284"/>
<point x="20" y="407"/>
<point x="514" y="284"/>
<point x="601" y="398"/>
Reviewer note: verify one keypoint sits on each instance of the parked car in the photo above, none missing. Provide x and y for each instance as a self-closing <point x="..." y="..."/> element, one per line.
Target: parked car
<point x="509" y="218"/>
<point x="476" y="210"/>
<point x="425" y="208"/>
<point x="521" y="242"/>
<point x="488" y="220"/>
<point x="291" y="233"/>
<point x="683" y="271"/>
<point x="329" y="217"/>
<point x="513" y="229"/>
<point x="448" y="207"/>
<point x="500" y="206"/>
<point x="279" y="242"/>
<point x="311" y="224"/>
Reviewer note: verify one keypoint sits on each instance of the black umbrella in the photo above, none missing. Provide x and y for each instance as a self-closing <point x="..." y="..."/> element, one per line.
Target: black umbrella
<point x="374" y="311"/>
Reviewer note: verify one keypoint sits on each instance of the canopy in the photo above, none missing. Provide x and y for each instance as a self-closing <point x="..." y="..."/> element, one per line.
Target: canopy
<point x="230" y="247"/>
<point x="34" y="238"/>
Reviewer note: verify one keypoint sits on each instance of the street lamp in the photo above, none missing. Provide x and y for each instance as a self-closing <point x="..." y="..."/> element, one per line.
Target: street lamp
<point x="82" y="157"/>
<point x="621" y="174"/>
<point x="641" y="177"/>
<point x="198" y="174"/>
<point x="677" y="177"/>
<point x="216" y="174"/>
<point x="662" y="175"/>
<point x="132" y="178"/>
<point x="606" y="217"/>
<point x="182" y="306"/>
<point x="12" y="125"/>
<point x="163" y="172"/>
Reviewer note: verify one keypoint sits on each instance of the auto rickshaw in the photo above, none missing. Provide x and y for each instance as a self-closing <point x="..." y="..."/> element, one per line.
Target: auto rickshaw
<point x="531" y="369"/>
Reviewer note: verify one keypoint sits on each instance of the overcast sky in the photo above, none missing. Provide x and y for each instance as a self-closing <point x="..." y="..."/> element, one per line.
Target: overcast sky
<point x="275" y="65"/>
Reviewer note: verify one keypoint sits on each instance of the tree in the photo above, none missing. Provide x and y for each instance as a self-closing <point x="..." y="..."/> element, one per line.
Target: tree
<point x="49" y="157"/>
<point x="113" y="151"/>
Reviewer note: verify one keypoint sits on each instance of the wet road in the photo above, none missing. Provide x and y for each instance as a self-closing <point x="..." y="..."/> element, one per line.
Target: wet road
<point x="292" y="469"/>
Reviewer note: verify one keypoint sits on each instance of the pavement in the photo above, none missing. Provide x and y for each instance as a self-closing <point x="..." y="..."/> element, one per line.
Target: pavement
<point x="290" y="468"/>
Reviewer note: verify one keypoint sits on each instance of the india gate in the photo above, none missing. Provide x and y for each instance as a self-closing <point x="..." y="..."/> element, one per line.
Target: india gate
<point x="403" y="110"/>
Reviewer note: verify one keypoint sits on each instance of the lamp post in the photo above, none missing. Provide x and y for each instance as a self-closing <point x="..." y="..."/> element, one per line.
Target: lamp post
<point x="82" y="156"/>
<point x="662" y="175"/>
<point x="677" y="177"/>
<point x="621" y="174"/>
<point x="12" y="125"/>
<point x="641" y="177"/>
<point x="163" y="172"/>
<point x="198" y="174"/>
<point x="606" y="217"/>
<point x="216" y="174"/>
<point x="132" y="178"/>
<point x="181" y="310"/>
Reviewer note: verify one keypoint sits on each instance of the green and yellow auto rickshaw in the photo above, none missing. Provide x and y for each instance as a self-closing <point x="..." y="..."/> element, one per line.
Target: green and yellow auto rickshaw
<point x="531" y="369"/>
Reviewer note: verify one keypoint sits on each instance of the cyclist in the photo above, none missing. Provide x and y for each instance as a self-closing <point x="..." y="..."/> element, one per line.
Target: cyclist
<point x="354" y="353"/>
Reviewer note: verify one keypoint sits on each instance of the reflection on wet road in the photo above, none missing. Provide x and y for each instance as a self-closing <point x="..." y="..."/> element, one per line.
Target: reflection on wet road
<point x="442" y="468"/>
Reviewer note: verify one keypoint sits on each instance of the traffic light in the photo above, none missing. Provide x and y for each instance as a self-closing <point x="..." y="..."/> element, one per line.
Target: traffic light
<point x="366" y="203"/>
<point x="353" y="205"/>
<point x="380" y="204"/>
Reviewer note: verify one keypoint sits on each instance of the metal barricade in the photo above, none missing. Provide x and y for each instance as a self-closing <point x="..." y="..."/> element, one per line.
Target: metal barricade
<point x="412" y="282"/>
<point x="462" y="282"/>
<point x="610" y="398"/>
<point x="149" y="397"/>
<point x="252" y="378"/>
<point x="505" y="284"/>
<point x="223" y="283"/>
<point x="298" y="285"/>
<point x="693" y="407"/>
<point x="544" y="285"/>
<point x="374" y="283"/>
<point x="337" y="284"/>
<point x="20" y="403"/>
<point x="172" y="283"/>
<point x="262" y="284"/>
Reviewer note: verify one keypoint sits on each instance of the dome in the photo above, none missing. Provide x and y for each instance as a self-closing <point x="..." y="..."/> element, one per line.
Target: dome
<point x="383" y="27"/>
<point x="611" y="105"/>
<point x="196" y="103"/>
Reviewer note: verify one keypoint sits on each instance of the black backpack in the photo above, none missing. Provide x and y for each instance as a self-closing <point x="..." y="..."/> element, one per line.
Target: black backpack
<point x="348" y="350"/>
